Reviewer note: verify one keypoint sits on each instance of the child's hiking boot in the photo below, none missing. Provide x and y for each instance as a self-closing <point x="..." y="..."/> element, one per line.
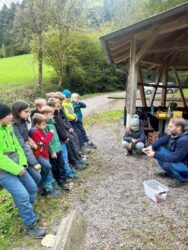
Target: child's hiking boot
<point x="52" y="194"/>
<point x="128" y="153"/>
<point x="83" y="161"/>
<point x="72" y="175"/>
<point x="65" y="186"/>
<point x="79" y="166"/>
<point x="90" y="144"/>
<point x="35" y="230"/>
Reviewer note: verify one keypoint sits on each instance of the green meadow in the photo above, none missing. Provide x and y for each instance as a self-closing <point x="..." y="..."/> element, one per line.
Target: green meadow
<point x="21" y="70"/>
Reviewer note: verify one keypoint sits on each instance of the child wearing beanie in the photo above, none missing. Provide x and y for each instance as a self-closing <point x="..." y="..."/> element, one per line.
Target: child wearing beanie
<point x="14" y="176"/>
<point x="134" y="137"/>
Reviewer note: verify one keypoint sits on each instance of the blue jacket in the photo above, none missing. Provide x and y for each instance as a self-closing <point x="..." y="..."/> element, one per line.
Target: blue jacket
<point x="138" y="135"/>
<point x="178" y="145"/>
<point x="77" y="109"/>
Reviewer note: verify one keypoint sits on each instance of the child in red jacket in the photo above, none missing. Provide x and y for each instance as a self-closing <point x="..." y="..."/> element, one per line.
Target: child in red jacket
<point x="42" y="153"/>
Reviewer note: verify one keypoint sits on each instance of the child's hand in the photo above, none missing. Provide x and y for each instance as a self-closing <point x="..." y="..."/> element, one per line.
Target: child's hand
<point x="71" y="130"/>
<point x="37" y="167"/>
<point x="22" y="171"/>
<point x="52" y="131"/>
<point x="54" y="155"/>
<point x="67" y="140"/>
<point x="133" y="140"/>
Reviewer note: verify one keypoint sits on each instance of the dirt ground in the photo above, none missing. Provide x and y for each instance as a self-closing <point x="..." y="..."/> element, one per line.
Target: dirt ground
<point x="118" y="213"/>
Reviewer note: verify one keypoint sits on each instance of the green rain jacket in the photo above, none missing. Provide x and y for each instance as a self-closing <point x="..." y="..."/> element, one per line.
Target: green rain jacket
<point x="12" y="157"/>
<point x="55" y="145"/>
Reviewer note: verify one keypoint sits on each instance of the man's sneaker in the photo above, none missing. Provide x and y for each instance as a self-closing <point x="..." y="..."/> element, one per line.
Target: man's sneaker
<point x="52" y="194"/>
<point x="162" y="175"/>
<point x="177" y="184"/>
<point x="35" y="231"/>
<point x="65" y="186"/>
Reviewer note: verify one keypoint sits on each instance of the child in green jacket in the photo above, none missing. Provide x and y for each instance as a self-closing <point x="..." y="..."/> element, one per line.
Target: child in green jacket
<point x="56" y="159"/>
<point x="14" y="176"/>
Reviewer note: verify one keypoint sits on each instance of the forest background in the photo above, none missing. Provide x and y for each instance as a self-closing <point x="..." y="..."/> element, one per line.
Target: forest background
<point x="61" y="40"/>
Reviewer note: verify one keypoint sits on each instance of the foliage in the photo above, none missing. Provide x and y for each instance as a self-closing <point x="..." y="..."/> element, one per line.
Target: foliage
<point x="84" y="65"/>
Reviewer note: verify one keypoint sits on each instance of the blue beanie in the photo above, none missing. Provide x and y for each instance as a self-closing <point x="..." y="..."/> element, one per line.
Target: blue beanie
<point x="67" y="93"/>
<point x="135" y="121"/>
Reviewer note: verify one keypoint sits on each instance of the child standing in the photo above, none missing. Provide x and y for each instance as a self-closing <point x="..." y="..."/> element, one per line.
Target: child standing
<point x="71" y="116"/>
<point x="56" y="158"/>
<point x="63" y="137"/>
<point x="42" y="153"/>
<point x="77" y="105"/>
<point x="14" y="176"/>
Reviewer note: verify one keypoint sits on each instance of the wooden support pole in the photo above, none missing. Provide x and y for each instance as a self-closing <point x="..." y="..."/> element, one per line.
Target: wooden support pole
<point x="164" y="82"/>
<point x="180" y="86"/>
<point x="132" y="83"/>
<point x="142" y="94"/>
<point x="157" y="80"/>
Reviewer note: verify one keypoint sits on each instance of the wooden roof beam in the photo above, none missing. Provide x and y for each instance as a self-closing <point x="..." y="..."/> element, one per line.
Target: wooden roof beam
<point x="146" y="46"/>
<point x="177" y="24"/>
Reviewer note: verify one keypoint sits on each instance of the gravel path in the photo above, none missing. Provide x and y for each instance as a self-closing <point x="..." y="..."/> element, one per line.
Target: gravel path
<point x="113" y="202"/>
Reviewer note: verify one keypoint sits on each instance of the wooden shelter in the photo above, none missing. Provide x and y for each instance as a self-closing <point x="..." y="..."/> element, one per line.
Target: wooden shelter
<point x="159" y="42"/>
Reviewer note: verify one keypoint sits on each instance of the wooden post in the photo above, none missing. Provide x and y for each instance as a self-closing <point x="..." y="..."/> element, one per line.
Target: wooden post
<point x="132" y="83"/>
<point x="164" y="81"/>
<point x="180" y="87"/>
<point x="142" y="94"/>
<point x="157" y="80"/>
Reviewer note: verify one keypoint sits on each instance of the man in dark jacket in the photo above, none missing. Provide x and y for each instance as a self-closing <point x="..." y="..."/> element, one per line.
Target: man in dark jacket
<point x="171" y="152"/>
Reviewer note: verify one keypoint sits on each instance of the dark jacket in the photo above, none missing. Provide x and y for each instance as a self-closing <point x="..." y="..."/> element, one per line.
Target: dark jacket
<point x="77" y="109"/>
<point x="65" y="120"/>
<point x="60" y="127"/>
<point x="21" y="131"/>
<point x="178" y="145"/>
<point x="138" y="135"/>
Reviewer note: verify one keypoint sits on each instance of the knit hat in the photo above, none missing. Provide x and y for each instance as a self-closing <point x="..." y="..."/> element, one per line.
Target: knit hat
<point x="135" y="121"/>
<point x="17" y="107"/>
<point x="4" y="110"/>
<point x="67" y="93"/>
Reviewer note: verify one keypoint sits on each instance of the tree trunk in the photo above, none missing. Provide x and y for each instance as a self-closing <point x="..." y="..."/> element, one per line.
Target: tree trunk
<point x="40" y="57"/>
<point x="61" y="77"/>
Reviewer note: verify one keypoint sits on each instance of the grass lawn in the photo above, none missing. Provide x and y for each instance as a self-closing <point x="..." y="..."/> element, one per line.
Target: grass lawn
<point x="20" y="70"/>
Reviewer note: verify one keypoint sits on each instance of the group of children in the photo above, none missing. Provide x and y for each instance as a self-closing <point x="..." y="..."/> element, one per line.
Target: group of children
<point x="40" y="150"/>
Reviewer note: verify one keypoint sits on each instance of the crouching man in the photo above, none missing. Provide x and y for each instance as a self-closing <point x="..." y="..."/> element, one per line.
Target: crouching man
<point x="171" y="152"/>
<point x="14" y="176"/>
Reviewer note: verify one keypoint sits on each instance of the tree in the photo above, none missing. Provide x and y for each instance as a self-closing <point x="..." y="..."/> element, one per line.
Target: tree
<point x="31" y="21"/>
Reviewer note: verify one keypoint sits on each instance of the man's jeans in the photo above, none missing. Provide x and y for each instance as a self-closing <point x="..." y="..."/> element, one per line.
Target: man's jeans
<point x="23" y="190"/>
<point x="178" y="171"/>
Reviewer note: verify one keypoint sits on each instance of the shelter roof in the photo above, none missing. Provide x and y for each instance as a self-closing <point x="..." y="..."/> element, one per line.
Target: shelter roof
<point x="168" y="32"/>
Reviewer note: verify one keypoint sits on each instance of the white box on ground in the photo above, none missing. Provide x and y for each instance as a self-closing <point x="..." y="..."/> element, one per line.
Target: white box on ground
<point x="155" y="190"/>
